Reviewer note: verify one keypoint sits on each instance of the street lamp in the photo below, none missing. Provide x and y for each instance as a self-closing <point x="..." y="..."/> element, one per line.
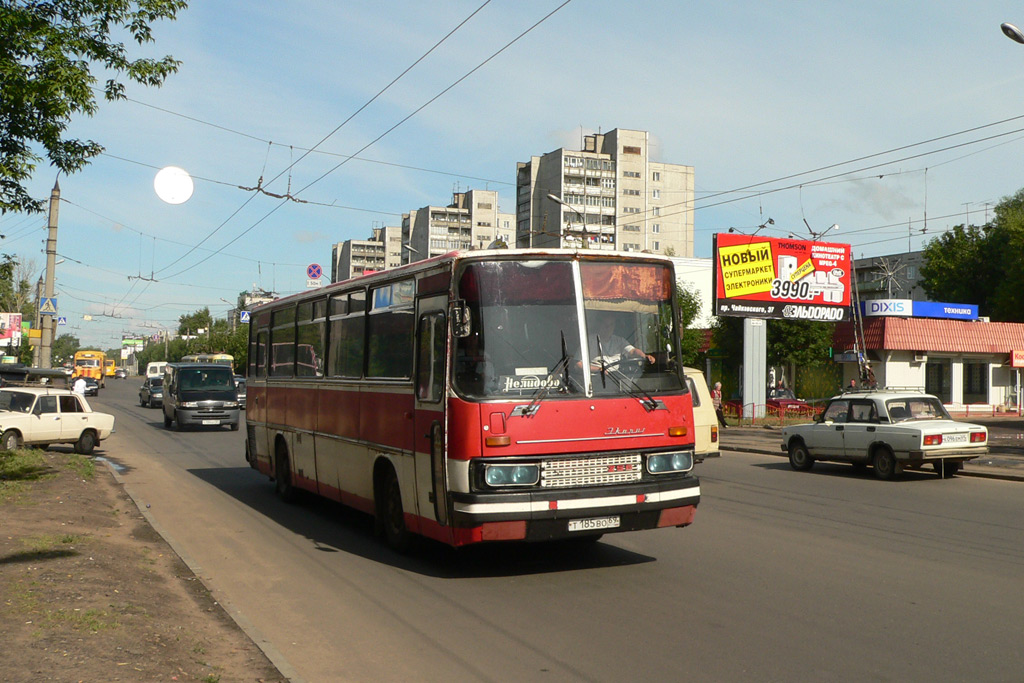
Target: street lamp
<point x="583" y="219"/>
<point x="1012" y="32"/>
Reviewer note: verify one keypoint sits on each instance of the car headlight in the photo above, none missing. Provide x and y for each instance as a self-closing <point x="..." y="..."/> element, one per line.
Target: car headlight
<point x="664" y="463"/>
<point x="511" y="475"/>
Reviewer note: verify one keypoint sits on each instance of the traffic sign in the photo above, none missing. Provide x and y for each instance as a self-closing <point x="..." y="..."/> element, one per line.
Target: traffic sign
<point x="62" y="320"/>
<point x="48" y="306"/>
<point x="314" y="271"/>
<point x="243" y="316"/>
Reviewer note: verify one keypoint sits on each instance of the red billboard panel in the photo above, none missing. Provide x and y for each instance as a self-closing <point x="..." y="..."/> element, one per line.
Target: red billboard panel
<point x="767" y="277"/>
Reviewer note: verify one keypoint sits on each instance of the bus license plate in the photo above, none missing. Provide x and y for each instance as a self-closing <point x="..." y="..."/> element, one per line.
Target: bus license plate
<point x="593" y="523"/>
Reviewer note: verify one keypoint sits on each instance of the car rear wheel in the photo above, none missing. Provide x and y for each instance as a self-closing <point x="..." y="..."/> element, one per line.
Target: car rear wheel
<point x="799" y="457"/>
<point x="86" y="443"/>
<point x="886" y="465"/>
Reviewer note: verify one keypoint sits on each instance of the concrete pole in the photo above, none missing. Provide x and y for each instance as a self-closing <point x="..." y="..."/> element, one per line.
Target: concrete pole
<point x="46" y="343"/>
<point x="37" y="347"/>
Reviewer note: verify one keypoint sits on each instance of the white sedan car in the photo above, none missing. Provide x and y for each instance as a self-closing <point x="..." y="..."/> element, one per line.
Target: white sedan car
<point x="889" y="431"/>
<point x="40" y="416"/>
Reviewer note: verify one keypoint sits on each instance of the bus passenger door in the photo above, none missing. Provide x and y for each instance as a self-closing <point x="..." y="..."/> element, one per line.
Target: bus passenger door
<point x="429" y="424"/>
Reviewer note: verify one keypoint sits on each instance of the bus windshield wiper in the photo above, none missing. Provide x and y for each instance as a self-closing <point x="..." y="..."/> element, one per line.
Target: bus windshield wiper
<point x="631" y="387"/>
<point x="561" y="366"/>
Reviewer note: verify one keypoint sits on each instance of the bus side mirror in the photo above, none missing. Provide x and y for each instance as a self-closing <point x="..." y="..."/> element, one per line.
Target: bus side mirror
<point x="461" y="320"/>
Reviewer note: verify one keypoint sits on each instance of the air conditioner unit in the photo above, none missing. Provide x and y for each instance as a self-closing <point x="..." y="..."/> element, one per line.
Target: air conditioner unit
<point x="920" y="357"/>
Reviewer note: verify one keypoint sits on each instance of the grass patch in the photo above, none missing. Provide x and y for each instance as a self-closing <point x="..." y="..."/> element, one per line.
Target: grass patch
<point x="92" y="620"/>
<point x="19" y="467"/>
<point x="50" y="542"/>
<point x="82" y="466"/>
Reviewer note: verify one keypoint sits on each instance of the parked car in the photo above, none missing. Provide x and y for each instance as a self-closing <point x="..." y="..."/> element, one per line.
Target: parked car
<point x="781" y="403"/>
<point x="888" y="430"/>
<point x="705" y="419"/>
<point x="151" y="393"/>
<point x="92" y="387"/>
<point x="240" y="389"/>
<point x="120" y="373"/>
<point x="41" y="416"/>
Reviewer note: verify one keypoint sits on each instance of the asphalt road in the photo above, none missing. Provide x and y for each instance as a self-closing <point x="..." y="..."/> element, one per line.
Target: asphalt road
<point x="784" y="575"/>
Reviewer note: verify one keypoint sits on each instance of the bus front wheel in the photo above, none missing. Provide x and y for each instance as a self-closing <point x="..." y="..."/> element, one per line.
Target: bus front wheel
<point x="390" y="514"/>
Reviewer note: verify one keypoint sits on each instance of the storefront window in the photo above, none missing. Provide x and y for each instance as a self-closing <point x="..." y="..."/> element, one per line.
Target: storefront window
<point x="937" y="379"/>
<point x="975" y="382"/>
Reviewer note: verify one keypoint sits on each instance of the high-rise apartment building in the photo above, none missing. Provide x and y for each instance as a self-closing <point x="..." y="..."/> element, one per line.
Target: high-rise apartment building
<point x="609" y="195"/>
<point x="354" y="257"/>
<point x="471" y="221"/>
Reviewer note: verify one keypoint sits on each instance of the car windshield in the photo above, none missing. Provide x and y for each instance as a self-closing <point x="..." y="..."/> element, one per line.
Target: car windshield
<point x="916" y="408"/>
<point x="16" y="401"/>
<point x="526" y="332"/>
<point x="156" y="383"/>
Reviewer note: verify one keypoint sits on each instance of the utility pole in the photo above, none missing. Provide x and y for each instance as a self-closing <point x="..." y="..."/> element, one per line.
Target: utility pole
<point x="46" y="341"/>
<point x="38" y="322"/>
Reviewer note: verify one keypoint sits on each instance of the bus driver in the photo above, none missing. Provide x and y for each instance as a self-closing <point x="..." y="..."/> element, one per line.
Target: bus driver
<point x="612" y="348"/>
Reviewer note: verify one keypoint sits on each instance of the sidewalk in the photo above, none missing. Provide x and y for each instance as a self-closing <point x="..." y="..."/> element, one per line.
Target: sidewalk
<point x="1005" y="459"/>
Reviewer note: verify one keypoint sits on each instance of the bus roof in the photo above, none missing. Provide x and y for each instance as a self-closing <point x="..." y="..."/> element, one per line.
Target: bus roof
<point x="464" y="255"/>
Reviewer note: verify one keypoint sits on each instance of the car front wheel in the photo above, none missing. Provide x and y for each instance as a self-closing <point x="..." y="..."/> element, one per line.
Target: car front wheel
<point x="9" y="440"/>
<point x="799" y="457"/>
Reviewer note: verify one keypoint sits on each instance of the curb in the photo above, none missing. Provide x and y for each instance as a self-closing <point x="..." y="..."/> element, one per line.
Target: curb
<point x="272" y="653"/>
<point x="982" y="474"/>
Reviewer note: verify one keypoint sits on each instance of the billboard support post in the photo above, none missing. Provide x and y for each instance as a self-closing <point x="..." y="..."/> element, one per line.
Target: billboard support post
<point x="755" y="353"/>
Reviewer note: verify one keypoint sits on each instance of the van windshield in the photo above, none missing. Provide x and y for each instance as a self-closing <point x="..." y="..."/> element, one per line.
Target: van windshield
<point x="206" y="379"/>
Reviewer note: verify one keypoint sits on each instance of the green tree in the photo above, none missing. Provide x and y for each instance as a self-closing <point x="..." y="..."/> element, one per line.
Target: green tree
<point x="64" y="348"/>
<point x="190" y="324"/>
<point x="688" y="303"/>
<point x="981" y="265"/>
<point x="48" y="49"/>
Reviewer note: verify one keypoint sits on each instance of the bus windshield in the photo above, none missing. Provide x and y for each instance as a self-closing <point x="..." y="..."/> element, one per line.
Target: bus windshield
<point x="526" y="331"/>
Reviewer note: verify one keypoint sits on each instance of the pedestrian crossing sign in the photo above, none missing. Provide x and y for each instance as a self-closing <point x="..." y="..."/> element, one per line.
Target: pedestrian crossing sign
<point x="48" y="306"/>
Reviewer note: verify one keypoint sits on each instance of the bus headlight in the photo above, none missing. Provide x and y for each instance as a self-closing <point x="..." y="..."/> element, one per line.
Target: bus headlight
<point x="189" y="404"/>
<point x="664" y="463"/>
<point x="511" y="475"/>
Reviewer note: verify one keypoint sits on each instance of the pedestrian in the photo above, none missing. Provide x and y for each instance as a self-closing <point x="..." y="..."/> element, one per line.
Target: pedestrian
<point x="716" y="400"/>
<point x="78" y="385"/>
<point x="871" y="383"/>
<point x="852" y="386"/>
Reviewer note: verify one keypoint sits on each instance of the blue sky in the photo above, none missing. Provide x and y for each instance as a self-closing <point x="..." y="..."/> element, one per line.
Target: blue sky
<point x="745" y="92"/>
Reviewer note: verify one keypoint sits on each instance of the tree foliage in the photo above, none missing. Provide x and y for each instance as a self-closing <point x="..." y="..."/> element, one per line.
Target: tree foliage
<point x="48" y="49"/>
<point x="64" y="347"/>
<point x="802" y="343"/>
<point x="189" y="324"/>
<point x="981" y="265"/>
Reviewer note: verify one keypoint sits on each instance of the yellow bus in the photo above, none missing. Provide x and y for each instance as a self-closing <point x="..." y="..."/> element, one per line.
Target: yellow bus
<point x="109" y="367"/>
<point x="90" y="364"/>
<point x="218" y="358"/>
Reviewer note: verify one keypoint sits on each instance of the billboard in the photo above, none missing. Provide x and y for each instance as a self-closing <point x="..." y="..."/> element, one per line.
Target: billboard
<point x="10" y="329"/>
<point x="792" y="279"/>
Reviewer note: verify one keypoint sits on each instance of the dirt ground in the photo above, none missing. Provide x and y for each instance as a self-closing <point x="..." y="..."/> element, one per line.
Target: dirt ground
<point x="90" y="592"/>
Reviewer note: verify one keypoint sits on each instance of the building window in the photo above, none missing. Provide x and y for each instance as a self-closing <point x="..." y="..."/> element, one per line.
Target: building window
<point x="656" y="211"/>
<point x="628" y="149"/>
<point x="656" y="227"/>
<point x="656" y="246"/>
<point x="635" y="193"/>
<point x="656" y="194"/>
<point x="656" y="176"/>
<point x="630" y="209"/>
<point x="630" y="174"/>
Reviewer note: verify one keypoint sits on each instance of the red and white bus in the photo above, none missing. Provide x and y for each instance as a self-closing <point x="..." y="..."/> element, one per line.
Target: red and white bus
<point x="452" y="397"/>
